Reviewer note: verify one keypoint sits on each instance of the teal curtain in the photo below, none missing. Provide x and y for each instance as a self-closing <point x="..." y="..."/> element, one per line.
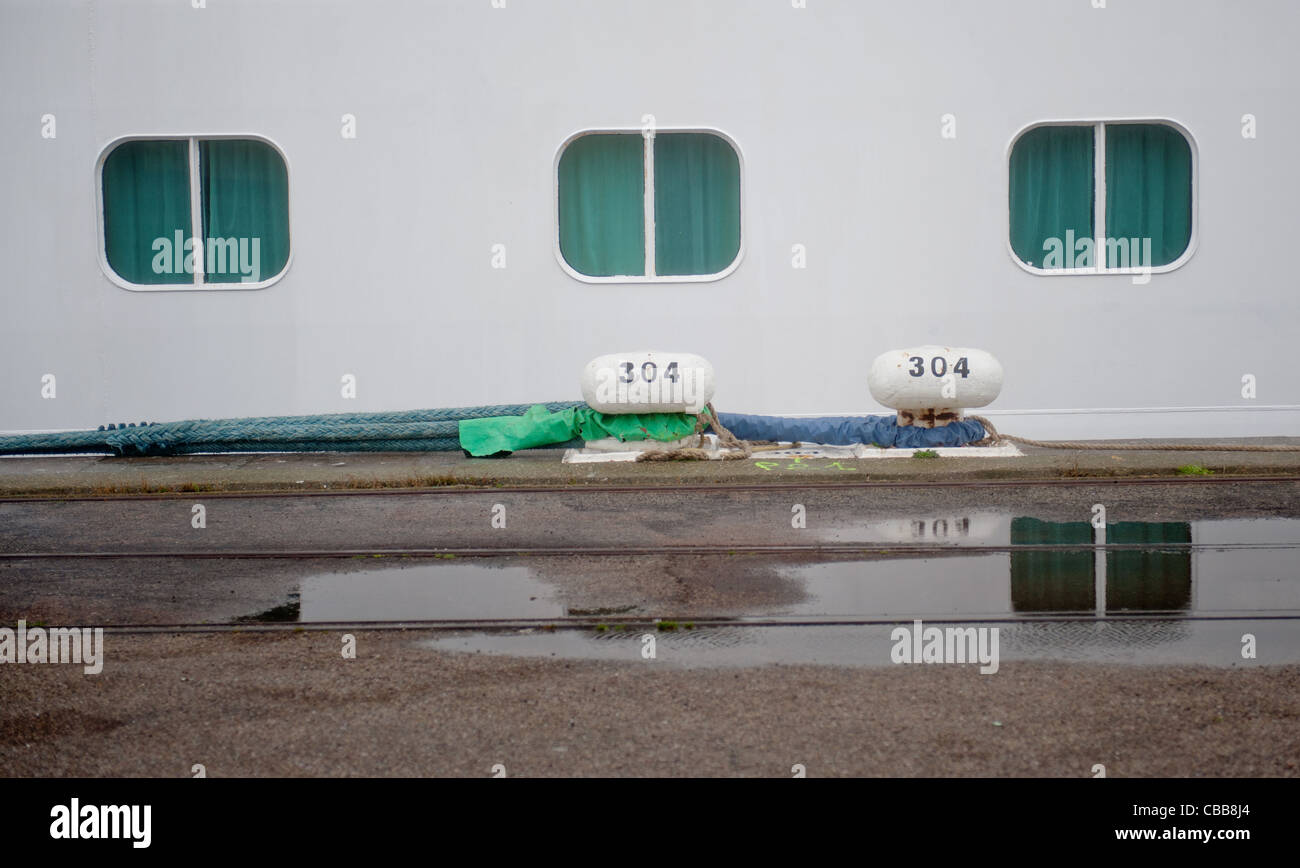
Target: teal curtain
<point x="1052" y="581"/>
<point x="697" y="203"/>
<point x="1149" y="579"/>
<point x="146" y="190"/>
<point x="1148" y="190"/>
<point x="245" y="188"/>
<point x="602" y="205"/>
<point x="1051" y="191"/>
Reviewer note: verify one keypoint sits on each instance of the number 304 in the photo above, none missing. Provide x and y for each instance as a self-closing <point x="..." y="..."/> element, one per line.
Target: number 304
<point x="648" y="372"/>
<point x="938" y="367"/>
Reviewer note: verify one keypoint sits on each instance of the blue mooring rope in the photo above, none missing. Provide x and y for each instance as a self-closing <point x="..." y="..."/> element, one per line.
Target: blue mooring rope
<point x="393" y="431"/>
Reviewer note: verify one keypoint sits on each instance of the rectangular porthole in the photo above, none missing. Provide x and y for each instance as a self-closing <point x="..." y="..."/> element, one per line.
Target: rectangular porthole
<point x="653" y="207"/>
<point x="1101" y="197"/>
<point x="201" y="213"/>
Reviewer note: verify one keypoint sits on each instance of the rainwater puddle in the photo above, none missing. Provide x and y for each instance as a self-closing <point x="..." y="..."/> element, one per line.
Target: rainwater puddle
<point x="1164" y="642"/>
<point x="1140" y="592"/>
<point x="429" y="592"/>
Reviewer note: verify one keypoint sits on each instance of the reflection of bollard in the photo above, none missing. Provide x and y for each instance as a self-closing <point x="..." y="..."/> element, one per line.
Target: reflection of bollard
<point x="930" y="385"/>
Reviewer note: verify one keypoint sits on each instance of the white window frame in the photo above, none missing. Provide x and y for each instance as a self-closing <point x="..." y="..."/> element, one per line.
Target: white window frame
<point x="1099" y="196"/>
<point x="648" y="138"/>
<point x="196" y="212"/>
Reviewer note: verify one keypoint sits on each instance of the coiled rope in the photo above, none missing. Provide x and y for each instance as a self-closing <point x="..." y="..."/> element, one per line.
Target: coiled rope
<point x="996" y="439"/>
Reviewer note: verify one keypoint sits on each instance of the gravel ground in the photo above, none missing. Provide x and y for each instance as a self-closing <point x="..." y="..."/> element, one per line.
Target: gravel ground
<point x="288" y="704"/>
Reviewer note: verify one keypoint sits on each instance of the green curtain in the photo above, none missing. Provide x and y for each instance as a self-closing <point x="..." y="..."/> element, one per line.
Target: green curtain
<point x="245" y="198"/>
<point x="1052" y="581"/>
<point x="1051" y="191"/>
<point x="697" y="203"/>
<point x="1148" y="579"/>
<point x="1148" y="190"/>
<point x="146" y="189"/>
<point x="602" y="205"/>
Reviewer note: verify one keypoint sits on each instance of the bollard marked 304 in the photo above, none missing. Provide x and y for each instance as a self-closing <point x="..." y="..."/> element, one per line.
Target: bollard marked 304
<point x="929" y="385"/>
<point x="648" y="382"/>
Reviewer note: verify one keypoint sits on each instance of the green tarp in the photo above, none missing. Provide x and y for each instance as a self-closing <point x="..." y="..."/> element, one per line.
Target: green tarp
<point x="537" y="428"/>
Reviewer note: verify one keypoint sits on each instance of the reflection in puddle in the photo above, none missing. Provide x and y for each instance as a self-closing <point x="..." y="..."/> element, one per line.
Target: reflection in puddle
<point x="286" y="612"/>
<point x="1057" y="567"/>
<point x="1148" y="642"/>
<point x="957" y="529"/>
<point x="976" y="528"/>
<point x="903" y="587"/>
<point x="1157" y="577"/>
<point x="1044" y="568"/>
<point x="428" y="593"/>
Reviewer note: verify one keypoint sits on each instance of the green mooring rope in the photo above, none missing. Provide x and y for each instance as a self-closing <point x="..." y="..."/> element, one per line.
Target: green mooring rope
<point x="400" y="431"/>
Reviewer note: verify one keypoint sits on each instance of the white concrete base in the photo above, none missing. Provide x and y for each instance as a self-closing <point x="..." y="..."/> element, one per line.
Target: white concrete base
<point x="613" y="444"/>
<point x="599" y="451"/>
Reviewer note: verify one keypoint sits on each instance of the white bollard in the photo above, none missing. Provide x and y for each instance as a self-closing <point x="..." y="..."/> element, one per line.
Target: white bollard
<point x="930" y="385"/>
<point x="648" y="382"/>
